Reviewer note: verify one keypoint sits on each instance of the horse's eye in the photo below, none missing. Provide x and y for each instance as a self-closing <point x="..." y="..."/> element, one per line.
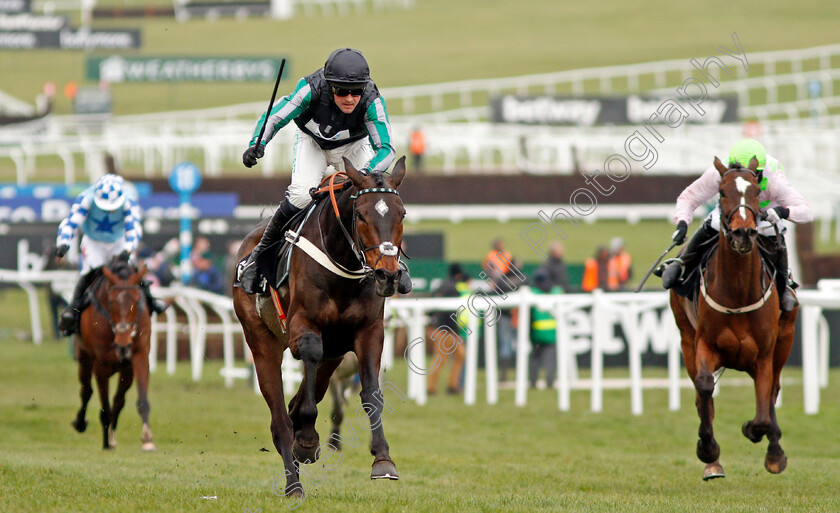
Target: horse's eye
<point x="722" y="195"/>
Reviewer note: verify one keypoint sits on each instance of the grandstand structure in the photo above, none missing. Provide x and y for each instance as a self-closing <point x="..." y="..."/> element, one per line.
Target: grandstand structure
<point x="793" y="96"/>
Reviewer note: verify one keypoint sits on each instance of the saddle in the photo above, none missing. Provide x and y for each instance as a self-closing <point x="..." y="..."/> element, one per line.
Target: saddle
<point x="274" y="264"/>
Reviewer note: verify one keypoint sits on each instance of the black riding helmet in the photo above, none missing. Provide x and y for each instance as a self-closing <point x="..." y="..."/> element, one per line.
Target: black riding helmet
<point x="347" y="67"/>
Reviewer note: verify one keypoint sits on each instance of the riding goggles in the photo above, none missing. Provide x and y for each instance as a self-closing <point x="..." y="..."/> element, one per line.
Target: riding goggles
<point x="345" y="91"/>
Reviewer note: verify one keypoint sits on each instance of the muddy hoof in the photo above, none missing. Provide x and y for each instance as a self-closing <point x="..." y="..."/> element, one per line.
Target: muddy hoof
<point x="79" y="425"/>
<point x="305" y="453"/>
<point x="384" y="469"/>
<point x="776" y="467"/>
<point x="713" y="471"/>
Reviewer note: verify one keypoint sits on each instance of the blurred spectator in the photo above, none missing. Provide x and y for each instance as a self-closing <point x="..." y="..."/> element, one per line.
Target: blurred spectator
<point x="499" y="268"/>
<point x="206" y="274"/>
<point x="417" y="147"/>
<point x="455" y="285"/>
<point x="620" y="263"/>
<point x="555" y="267"/>
<point x="163" y="267"/>
<point x="543" y="332"/>
<point x="596" y="272"/>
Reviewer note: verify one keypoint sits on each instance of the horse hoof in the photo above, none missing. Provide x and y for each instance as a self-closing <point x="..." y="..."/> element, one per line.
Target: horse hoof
<point x="746" y="429"/>
<point x="305" y="454"/>
<point x="776" y="467"/>
<point x="79" y="425"/>
<point x="713" y="471"/>
<point x="384" y="469"/>
<point x="148" y="446"/>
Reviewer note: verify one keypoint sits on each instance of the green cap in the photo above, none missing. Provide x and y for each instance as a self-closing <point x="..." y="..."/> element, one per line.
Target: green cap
<point x="746" y="149"/>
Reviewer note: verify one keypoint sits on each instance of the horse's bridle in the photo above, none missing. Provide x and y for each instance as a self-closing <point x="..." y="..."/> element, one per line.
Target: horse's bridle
<point x="359" y="251"/>
<point x="725" y="218"/>
<point x="120" y="327"/>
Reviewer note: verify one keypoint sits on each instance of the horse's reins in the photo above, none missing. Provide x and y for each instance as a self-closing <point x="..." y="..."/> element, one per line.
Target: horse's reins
<point x="727" y="232"/>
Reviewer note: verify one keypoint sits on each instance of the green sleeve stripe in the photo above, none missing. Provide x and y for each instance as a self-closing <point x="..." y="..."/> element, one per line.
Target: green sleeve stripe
<point x="379" y="133"/>
<point x="284" y="111"/>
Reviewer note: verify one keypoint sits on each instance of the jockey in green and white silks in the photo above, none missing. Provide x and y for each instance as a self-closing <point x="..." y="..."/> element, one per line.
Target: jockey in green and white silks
<point x="338" y="113"/>
<point x="777" y="198"/>
<point x="109" y="218"/>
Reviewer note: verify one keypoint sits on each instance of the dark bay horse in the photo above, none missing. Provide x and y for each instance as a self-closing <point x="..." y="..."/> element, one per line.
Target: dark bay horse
<point x="736" y="322"/>
<point x="115" y="336"/>
<point x="332" y="305"/>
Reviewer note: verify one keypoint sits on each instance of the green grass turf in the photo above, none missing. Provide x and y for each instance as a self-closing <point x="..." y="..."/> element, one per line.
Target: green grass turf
<point x="438" y="41"/>
<point x="451" y="457"/>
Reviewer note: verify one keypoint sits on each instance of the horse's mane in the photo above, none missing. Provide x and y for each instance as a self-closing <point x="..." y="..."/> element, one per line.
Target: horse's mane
<point x="122" y="269"/>
<point x="380" y="180"/>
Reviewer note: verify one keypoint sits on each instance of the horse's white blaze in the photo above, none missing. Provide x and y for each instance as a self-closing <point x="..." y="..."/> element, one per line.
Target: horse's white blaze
<point x="742" y="185"/>
<point x="381" y="207"/>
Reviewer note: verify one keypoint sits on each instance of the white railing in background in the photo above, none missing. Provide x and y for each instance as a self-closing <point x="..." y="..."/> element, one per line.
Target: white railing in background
<point x="644" y="317"/>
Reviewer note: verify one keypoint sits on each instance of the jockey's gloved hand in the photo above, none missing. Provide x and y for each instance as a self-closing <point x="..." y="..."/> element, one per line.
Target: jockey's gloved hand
<point x="124" y="255"/>
<point x="679" y="234"/>
<point x="60" y="251"/>
<point x="249" y="158"/>
<point x="776" y="214"/>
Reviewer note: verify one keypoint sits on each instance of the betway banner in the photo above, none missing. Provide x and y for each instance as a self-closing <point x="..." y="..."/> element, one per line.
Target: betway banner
<point x="117" y="69"/>
<point x="15" y="6"/>
<point x="71" y="39"/>
<point x="592" y="111"/>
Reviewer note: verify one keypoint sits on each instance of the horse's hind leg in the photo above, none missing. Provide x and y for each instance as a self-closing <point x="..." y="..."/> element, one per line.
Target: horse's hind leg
<point x="368" y="347"/>
<point x="126" y="378"/>
<point x="337" y="396"/>
<point x="104" y="372"/>
<point x="85" y="375"/>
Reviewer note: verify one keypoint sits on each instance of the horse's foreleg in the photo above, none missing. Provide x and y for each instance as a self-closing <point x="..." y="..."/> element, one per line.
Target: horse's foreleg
<point x="760" y="425"/>
<point x="306" y="437"/>
<point x="369" y="351"/>
<point x="126" y="378"/>
<point x="103" y="372"/>
<point x="775" y="460"/>
<point x="140" y="366"/>
<point x="706" y="362"/>
<point x="85" y="375"/>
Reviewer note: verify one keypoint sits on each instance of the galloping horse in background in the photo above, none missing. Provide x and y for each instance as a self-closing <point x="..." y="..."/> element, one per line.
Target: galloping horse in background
<point x="114" y="337"/>
<point x="736" y="322"/>
<point x="332" y="307"/>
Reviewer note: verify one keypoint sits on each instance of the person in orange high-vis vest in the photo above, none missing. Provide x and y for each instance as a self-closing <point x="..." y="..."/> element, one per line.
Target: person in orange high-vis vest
<point x="596" y="272"/>
<point x="417" y="147"/>
<point x="619" y="264"/>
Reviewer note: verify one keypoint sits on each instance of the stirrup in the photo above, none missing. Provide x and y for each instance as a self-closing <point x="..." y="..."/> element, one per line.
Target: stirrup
<point x="67" y="323"/>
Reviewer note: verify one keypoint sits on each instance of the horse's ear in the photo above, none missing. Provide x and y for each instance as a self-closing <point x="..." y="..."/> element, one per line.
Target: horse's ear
<point x="719" y="166"/>
<point x="754" y="165"/>
<point x="135" y="279"/>
<point x="109" y="274"/>
<point x="399" y="173"/>
<point x="355" y="176"/>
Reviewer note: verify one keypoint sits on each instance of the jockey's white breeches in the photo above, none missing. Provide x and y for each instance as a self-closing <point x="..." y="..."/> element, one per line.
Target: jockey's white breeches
<point x="311" y="164"/>
<point x="96" y="253"/>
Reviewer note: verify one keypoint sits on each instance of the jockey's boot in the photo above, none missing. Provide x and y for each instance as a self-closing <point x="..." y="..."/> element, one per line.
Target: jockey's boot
<point x="155" y="305"/>
<point x="68" y="322"/>
<point x="404" y="286"/>
<point x="784" y="282"/>
<point x="674" y="270"/>
<point x="250" y="275"/>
